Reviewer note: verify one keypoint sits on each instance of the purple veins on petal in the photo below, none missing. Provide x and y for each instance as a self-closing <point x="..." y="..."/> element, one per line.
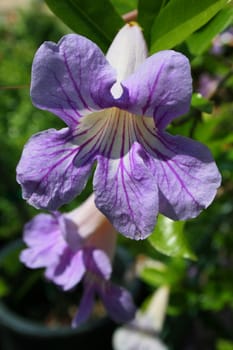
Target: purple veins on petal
<point x="124" y="192"/>
<point x="186" y="175"/>
<point x="67" y="77"/>
<point x="46" y="171"/>
<point x="155" y="89"/>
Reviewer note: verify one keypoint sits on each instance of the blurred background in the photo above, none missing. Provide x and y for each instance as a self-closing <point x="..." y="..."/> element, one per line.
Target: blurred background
<point x="200" y="309"/>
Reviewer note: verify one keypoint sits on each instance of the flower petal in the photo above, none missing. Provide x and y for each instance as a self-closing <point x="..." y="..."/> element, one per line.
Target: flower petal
<point x="45" y="242"/>
<point x="186" y="174"/>
<point x="126" y="193"/>
<point x="71" y="78"/>
<point x="85" y="306"/>
<point x="127" y="51"/>
<point x="97" y="262"/>
<point x="118" y="302"/>
<point x="70" y="233"/>
<point x="134" y="338"/>
<point x="46" y="171"/>
<point x="161" y="87"/>
<point x="124" y="190"/>
<point x="68" y="271"/>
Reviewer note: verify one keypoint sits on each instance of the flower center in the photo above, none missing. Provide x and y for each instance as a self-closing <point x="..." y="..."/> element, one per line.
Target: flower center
<point x="112" y="131"/>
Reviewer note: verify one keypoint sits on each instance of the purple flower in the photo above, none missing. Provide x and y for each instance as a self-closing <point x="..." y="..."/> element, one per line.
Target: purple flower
<point x="208" y="84"/>
<point x="72" y="250"/>
<point x="222" y="40"/>
<point x="116" y="109"/>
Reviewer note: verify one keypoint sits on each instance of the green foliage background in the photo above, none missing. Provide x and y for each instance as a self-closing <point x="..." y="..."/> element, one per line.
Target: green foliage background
<point x="201" y="300"/>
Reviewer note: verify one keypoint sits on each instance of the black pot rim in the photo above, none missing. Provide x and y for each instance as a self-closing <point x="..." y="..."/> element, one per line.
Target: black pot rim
<point x="22" y="325"/>
<point x="11" y="320"/>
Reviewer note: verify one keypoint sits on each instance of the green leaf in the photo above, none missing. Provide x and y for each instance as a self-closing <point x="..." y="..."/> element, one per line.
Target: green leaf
<point x="156" y="277"/>
<point x="223" y="344"/>
<point x="4" y="289"/>
<point x="123" y="6"/>
<point x="96" y="20"/>
<point x="200" y="41"/>
<point x="168" y="238"/>
<point x="155" y="274"/>
<point x="179" y="19"/>
<point x="201" y="103"/>
<point x="147" y="11"/>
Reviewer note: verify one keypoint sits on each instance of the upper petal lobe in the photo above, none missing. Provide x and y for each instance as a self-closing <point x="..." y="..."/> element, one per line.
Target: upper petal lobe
<point x="71" y="78"/>
<point x="161" y="87"/>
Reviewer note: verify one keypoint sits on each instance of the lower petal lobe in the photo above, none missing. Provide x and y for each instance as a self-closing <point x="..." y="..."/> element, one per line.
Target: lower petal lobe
<point x="118" y="302"/>
<point x="186" y="174"/>
<point x="68" y="270"/>
<point x="85" y="306"/>
<point x="126" y="193"/>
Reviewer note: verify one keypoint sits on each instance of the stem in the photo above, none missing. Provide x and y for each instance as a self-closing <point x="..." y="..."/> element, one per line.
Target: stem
<point x="130" y="16"/>
<point x="14" y="87"/>
<point x="221" y="83"/>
